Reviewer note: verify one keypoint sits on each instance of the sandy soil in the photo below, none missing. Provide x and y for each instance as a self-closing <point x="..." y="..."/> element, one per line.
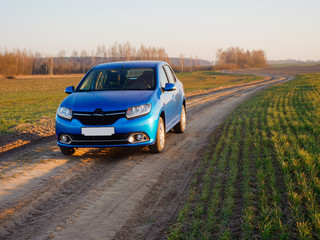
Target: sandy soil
<point x="114" y="193"/>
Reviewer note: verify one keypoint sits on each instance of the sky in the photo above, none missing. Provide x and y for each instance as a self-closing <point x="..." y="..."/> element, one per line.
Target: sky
<point x="284" y="29"/>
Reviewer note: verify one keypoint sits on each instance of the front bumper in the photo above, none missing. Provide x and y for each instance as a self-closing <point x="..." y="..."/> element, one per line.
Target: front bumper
<point x="124" y="128"/>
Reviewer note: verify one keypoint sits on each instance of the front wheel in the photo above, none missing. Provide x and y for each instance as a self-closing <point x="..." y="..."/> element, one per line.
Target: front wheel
<point x="181" y="126"/>
<point x="159" y="144"/>
<point x="67" y="150"/>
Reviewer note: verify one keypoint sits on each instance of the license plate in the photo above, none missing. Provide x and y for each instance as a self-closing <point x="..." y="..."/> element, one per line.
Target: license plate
<point x="101" y="131"/>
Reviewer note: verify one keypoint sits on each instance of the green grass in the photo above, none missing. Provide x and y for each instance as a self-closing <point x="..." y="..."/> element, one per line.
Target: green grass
<point x="202" y="80"/>
<point x="29" y="100"/>
<point x="260" y="175"/>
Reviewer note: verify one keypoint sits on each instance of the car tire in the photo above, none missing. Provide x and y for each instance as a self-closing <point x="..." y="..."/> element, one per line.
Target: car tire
<point x="159" y="144"/>
<point x="67" y="150"/>
<point x="181" y="126"/>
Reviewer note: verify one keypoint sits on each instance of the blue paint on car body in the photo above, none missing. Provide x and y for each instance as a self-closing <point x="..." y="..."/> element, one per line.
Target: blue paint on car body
<point x="122" y="99"/>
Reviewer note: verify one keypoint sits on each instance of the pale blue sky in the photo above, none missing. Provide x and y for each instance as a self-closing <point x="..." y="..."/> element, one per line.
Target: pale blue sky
<point x="283" y="28"/>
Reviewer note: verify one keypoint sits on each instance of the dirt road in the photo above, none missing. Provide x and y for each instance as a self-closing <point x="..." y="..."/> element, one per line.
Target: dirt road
<point x="115" y="193"/>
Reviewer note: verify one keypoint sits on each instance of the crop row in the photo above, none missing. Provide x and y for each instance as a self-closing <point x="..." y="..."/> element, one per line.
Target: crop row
<point x="260" y="175"/>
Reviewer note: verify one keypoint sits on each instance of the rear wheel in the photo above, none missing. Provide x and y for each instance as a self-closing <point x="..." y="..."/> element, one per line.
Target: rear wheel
<point x="67" y="150"/>
<point x="181" y="126"/>
<point x="159" y="144"/>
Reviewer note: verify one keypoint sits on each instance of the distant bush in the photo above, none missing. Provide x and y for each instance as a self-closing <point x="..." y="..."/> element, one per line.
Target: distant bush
<point x="235" y="58"/>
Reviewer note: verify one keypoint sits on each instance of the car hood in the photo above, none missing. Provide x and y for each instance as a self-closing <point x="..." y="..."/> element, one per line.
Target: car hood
<point x="105" y="100"/>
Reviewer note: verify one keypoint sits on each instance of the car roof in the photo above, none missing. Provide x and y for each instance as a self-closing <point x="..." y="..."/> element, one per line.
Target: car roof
<point x="130" y="64"/>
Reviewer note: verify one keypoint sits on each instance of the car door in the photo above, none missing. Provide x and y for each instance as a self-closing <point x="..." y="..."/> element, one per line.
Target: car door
<point x="178" y="92"/>
<point x="171" y="96"/>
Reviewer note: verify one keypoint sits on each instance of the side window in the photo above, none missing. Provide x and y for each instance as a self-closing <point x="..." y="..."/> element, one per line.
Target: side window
<point x="163" y="78"/>
<point x="170" y="75"/>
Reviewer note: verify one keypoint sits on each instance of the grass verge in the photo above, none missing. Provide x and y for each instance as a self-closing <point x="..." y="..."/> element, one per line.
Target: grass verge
<point x="260" y="176"/>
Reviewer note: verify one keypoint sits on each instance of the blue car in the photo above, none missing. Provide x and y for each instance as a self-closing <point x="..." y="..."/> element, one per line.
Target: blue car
<point x="119" y="104"/>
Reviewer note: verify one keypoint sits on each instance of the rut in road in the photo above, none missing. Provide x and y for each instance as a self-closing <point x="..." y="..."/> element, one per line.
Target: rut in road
<point x="104" y="197"/>
<point x="60" y="195"/>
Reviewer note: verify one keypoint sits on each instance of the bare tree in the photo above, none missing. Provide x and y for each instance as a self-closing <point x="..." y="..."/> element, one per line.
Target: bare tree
<point x="83" y="63"/>
<point x="51" y="65"/>
<point x="104" y="52"/>
<point x="75" y="61"/>
<point x="181" y="61"/>
<point x="61" y="55"/>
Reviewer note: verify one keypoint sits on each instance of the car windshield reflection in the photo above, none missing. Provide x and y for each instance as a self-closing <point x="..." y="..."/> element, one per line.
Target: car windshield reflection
<point x="118" y="79"/>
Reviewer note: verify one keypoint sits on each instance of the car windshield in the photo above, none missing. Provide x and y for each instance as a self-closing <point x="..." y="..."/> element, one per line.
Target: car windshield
<point x="118" y="79"/>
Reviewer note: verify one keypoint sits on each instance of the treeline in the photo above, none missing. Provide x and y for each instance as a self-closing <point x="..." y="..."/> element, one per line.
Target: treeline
<point x="235" y="58"/>
<point x="22" y="62"/>
<point x="18" y="61"/>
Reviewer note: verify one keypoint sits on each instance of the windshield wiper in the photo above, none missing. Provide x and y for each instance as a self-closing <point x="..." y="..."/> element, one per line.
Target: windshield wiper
<point x="85" y="90"/>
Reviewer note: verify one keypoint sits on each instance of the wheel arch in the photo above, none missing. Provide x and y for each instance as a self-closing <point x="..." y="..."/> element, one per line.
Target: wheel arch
<point x="163" y="116"/>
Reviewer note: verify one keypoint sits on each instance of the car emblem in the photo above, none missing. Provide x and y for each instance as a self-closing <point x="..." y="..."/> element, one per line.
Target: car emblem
<point x="98" y="112"/>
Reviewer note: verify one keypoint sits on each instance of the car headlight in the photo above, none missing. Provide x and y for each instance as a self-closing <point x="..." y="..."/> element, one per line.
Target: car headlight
<point x="65" y="112"/>
<point x="138" y="111"/>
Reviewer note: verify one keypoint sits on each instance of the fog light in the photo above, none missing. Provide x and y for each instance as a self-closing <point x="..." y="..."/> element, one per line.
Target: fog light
<point x="138" y="137"/>
<point x="64" y="138"/>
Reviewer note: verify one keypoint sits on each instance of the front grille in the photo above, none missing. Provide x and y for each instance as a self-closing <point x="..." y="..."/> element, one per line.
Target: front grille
<point x="98" y="118"/>
<point x="115" y="139"/>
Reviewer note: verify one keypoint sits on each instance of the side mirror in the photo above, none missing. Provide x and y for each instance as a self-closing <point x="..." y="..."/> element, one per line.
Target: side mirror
<point x="69" y="90"/>
<point x="170" y="87"/>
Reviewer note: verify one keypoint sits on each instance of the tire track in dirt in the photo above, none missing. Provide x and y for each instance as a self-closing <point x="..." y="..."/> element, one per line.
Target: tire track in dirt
<point x="103" y="192"/>
<point x="59" y="195"/>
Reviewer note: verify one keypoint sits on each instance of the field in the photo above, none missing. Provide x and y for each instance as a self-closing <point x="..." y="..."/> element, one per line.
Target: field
<point x="27" y="101"/>
<point x="288" y="70"/>
<point x="203" y="80"/>
<point x="302" y="64"/>
<point x="240" y="189"/>
<point x="260" y="175"/>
